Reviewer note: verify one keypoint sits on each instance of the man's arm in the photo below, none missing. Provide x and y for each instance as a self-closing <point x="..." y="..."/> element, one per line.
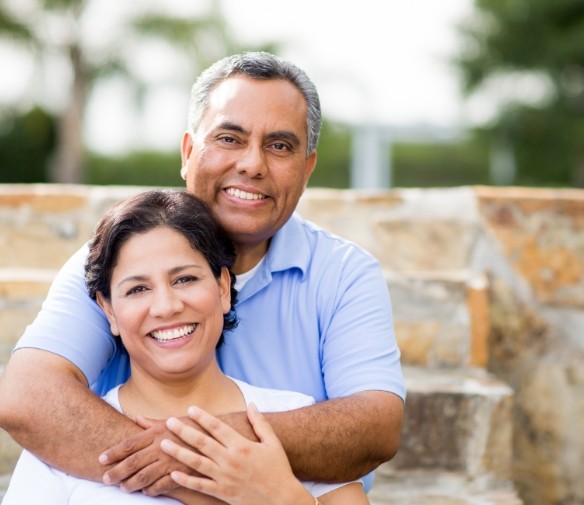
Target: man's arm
<point x="368" y="424"/>
<point x="337" y="440"/>
<point x="46" y="406"/>
<point x="63" y="423"/>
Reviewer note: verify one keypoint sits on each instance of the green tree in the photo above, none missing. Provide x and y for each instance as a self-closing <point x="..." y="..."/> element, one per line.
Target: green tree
<point x="58" y="29"/>
<point x="531" y="43"/>
<point x="26" y="142"/>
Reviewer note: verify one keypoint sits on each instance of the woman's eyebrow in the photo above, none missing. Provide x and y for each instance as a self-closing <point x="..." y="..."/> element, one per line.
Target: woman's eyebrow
<point x="172" y="271"/>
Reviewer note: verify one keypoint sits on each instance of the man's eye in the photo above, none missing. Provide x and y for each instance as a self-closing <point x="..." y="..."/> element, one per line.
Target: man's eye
<point x="279" y="146"/>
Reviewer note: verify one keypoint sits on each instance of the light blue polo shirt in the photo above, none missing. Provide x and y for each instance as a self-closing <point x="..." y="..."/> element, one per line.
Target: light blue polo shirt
<point x="315" y="318"/>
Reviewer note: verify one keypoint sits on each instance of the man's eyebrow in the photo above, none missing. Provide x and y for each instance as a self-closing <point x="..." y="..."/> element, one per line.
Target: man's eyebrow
<point x="275" y="135"/>
<point x="234" y="127"/>
<point x="284" y="135"/>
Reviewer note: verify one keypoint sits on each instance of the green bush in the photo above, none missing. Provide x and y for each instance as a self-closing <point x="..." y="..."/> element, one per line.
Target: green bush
<point x="140" y="168"/>
<point x="436" y="165"/>
<point x="334" y="157"/>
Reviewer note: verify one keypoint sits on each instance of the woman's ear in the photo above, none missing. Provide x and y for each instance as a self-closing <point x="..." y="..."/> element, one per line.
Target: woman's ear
<point x="225" y="290"/>
<point x="106" y="306"/>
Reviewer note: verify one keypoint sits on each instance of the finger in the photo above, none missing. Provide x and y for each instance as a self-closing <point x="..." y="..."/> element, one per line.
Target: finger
<point x="144" y="422"/>
<point x="162" y="486"/>
<point x="190" y="458"/>
<point x="144" y="478"/>
<point x="122" y="450"/>
<point x="129" y="467"/>
<point x="200" y="484"/>
<point x="195" y="438"/>
<point x="261" y="427"/>
<point x="220" y="431"/>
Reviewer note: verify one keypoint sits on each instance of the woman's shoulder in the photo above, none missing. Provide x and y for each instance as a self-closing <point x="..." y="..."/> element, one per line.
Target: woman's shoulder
<point x="272" y="400"/>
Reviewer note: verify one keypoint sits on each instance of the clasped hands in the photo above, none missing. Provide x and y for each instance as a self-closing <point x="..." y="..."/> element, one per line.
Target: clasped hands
<point x="203" y="454"/>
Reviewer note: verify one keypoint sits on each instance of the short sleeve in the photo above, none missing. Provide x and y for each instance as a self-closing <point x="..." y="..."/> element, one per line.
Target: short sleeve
<point x="71" y="324"/>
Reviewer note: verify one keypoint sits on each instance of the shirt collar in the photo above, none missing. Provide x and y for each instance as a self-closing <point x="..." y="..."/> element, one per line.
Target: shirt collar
<point x="289" y="247"/>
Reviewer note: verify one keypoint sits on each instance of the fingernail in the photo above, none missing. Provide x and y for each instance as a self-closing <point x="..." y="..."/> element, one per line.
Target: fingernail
<point x="193" y="411"/>
<point x="165" y="444"/>
<point x="103" y="459"/>
<point x="107" y="480"/>
<point x="172" y="422"/>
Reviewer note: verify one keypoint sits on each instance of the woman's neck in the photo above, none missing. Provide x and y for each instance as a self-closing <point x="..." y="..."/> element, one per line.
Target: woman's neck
<point x="158" y="398"/>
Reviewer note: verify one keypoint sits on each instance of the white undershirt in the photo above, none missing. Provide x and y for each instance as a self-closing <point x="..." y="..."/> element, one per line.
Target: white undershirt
<point x="242" y="279"/>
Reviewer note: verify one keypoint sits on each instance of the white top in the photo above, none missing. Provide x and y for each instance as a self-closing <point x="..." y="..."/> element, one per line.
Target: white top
<point x="36" y="483"/>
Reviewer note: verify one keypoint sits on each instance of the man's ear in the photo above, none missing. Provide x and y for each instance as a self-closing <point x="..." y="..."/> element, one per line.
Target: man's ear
<point x="225" y="290"/>
<point x="106" y="306"/>
<point x="309" y="166"/>
<point x="186" y="147"/>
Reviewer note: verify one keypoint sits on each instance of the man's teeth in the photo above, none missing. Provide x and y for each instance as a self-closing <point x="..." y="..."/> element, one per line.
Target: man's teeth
<point x="166" y="335"/>
<point x="244" y="195"/>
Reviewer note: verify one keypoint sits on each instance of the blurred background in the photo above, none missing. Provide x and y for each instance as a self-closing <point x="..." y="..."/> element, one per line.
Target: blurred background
<point x="414" y="94"/>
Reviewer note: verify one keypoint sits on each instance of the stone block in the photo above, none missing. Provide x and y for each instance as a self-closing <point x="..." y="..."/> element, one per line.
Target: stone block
<point x="456" y="421"/>
<point x="9" y="453"/>
<point x="437" y="488"/>
<point x="541" y="234"/>
<point x="400" y="227"/>
<point x="21" y="295"/>
<point x="441" y="320"/>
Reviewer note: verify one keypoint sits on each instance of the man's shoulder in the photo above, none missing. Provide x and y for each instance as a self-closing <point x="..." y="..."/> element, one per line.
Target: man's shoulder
<point x="321" y="239"/>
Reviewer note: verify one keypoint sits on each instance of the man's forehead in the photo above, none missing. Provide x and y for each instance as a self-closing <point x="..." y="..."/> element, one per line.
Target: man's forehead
<point x="239" y="99"/>
<point x="239" y="86"/>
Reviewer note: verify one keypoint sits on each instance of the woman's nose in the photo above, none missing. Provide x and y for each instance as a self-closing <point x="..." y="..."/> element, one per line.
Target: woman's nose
<point x="165" y="303"/>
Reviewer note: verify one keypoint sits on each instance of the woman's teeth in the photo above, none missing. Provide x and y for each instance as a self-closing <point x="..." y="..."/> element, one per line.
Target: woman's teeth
<point x="166" y="335"/>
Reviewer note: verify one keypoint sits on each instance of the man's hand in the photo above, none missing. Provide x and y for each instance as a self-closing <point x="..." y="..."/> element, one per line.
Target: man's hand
<point x="140" y="464"/>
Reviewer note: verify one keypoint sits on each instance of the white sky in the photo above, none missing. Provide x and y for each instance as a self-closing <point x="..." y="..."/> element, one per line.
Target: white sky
<point x="383" y="61"/>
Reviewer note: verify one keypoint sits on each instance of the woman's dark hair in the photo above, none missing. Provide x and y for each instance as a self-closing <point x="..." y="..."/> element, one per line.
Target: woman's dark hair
<point x="175" y="209"/>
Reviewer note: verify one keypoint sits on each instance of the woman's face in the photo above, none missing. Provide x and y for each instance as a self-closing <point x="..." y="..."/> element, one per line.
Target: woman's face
<point x="166" y="304"/>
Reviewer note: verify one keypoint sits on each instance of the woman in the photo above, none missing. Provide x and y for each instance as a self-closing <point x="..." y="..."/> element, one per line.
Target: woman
<point x="159" y="267"/>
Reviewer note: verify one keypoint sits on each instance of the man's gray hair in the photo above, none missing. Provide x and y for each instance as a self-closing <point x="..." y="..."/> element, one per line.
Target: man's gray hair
<point x="261" y="66"/>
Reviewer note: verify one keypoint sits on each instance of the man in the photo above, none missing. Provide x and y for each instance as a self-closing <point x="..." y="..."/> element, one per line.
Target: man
<point x="314" y="310"/>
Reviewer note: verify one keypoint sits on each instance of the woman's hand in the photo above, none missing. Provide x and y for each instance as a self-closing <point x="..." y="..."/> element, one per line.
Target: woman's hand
<point x="233" y="468"/>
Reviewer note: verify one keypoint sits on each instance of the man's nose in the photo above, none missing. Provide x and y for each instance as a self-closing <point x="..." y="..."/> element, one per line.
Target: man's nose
<point x="253" y="162"/>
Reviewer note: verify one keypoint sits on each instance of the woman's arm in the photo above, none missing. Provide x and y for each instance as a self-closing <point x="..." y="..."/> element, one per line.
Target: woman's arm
<point x="349" y="494"/>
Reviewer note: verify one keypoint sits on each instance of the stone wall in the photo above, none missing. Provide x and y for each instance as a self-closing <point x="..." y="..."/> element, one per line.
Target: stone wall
<point x="479" y="277"/>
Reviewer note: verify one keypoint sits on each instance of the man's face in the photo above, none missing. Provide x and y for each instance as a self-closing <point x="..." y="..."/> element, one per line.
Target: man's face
<point x="247" y="160"/>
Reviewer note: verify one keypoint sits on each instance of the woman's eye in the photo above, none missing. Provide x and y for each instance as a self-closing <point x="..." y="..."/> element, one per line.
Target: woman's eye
<point x="135" y="290"/>
<point x="185" y="278"/>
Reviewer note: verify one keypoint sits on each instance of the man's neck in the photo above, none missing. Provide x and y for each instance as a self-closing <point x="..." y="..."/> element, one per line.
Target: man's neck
<point x="248" y="256"/>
